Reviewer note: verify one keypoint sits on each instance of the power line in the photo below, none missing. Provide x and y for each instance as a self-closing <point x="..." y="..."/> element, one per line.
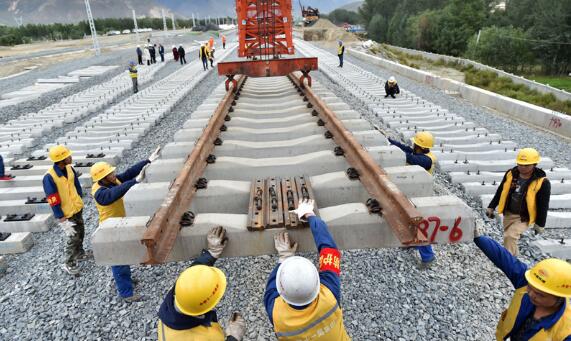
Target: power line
<point x="537" y="41"/>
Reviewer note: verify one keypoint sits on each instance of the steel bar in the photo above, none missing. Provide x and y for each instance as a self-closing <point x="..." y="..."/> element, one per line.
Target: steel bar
<point x="397" y="209"/>
<point x="162" y="229"/>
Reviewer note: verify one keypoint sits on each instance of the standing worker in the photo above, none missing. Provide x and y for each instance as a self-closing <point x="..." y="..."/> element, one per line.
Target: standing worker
<point x="153" y="51"/>
<point x="3" y="175"/>
<point x="63" y="192"/>
<point x="204" y="55"/>
<point x="211" y="58"/>
<point x="162" y="52"/>
<point x="108" y="191"/>
<point x="148" y="55"/>
<point x="211" y="43"/>
<point x="340" y="53"/>
<point x="139" y="55"/>
<point x="182" y="54"/>
<point x="187" y="312"/>
<point x="133" y="74"/>
<point x="303" y="303"/>
<point x="523" y="198"/>
<point x="540" y="308"/>
<point x="391" y="87"/>
<point x="420" y="155"/>
<point x="223" y="42"/>
<point x="175" y="53"/>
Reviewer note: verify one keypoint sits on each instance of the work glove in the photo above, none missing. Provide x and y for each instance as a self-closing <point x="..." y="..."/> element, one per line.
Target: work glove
<point x="236" y="327"/>
<point x="284" y="246"/>
<point x="217" y="241"/>
<point x="538" y="229"/>
<point x="304" y="209"/>
<point x="490" y="213"/>
<point x="67" y="227"/>
<point x="141" y="175"/>
<point x="478" y="230"/>
<point x="155" y="155"/>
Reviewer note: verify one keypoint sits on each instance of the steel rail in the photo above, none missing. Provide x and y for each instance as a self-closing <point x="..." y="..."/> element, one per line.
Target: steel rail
<point x="163" y="227"/>
<point x="397" y="209"/>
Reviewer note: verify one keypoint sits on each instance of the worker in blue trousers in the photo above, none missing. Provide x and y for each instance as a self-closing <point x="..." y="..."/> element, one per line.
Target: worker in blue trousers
<point x="108" y="191"/>
<point x="302" y="302"/>
<point x="540" y="308"/>
<point x="420" y="155"/>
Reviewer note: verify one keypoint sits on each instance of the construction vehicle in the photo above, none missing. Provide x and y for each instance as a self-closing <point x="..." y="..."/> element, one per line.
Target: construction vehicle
<point x="310" y="15"/>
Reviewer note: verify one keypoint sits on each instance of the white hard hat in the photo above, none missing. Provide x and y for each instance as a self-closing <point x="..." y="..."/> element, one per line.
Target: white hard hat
<point x="173" y="46"/>
<point x="298" y="281"/>
<point x="392" y="80"/>
<point x="138" y="45"/>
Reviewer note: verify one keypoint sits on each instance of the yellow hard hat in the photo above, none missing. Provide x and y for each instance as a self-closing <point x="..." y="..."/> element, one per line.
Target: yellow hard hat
<point x="423" y="139"/>
<point x="198" y="289"/>
<point x="552" y="276"/>
<point x="100" y="170"/>
<point x="528" y="156"/>
<point x="59" y="153"/>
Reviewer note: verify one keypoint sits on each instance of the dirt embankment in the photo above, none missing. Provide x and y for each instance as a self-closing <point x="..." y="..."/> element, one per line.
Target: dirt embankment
<point x="325" y="30"/>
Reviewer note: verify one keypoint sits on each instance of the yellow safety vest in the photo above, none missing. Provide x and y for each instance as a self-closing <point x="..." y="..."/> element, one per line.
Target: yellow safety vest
<point x="71" y="202"/>
<point x="532" y="190"/>
<point x="340" y="50"/>
<point x="322" y="320"/>
<point x="133" y="74"/>
<point x="206" y="52"/>
<point x="433" y="158"/>
<point x="200" y="333"/>
<point x="559" y="331"/>
<point x="115" y="210"/>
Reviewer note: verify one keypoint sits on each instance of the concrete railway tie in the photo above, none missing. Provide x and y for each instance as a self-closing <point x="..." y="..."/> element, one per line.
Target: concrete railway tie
<point x="471" y="155"/>
<point x="271" y="134"/>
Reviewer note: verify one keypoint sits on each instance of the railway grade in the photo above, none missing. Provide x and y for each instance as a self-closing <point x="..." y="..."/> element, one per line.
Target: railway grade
<point x="246" y="157"/>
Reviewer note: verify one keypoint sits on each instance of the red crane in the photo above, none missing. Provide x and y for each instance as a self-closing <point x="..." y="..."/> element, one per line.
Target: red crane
<point x="264" y="36"/>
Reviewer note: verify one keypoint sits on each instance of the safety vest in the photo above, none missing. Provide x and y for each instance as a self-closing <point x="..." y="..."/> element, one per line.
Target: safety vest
<point x="322" y="320"/>
<point x="71" y="202"/>
<point x="133" y="72"/>
<point x="223" y="39"/>
<point x="532" y="190"/>
<point x="433" y="158"/>
<point x="211" y="43"/>
<point x="559" y="331"/>
<point x="200" y="333"/>
<point x="115" y="210"/>
<point x="204" y="52"/>
<point x="340" y="50"/>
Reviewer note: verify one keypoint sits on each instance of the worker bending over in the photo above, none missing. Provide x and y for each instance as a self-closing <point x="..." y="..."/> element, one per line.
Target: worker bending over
<point x="420" y="155"/>
<point x="108" y="191"/>
<point x="187" y="312"/>
<point x="540" y="308"/>
<point x="63" y="192"/>
<point x="523" y="198"/>
<point x="302" y="303"/>
<point x="391" y="88"/>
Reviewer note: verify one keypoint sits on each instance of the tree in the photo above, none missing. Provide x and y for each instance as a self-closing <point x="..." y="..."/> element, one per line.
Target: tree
<point x="341" y="16"/>
<point x="377" y="28"/>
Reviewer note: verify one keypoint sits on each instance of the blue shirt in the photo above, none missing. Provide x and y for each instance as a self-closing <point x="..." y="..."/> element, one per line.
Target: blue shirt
<point x="106" y="195"/>
<point x="515" y="270"/>
<point x="330" y="279"/>
<point x="51" y="188"/>
<point x="413" y="158"/>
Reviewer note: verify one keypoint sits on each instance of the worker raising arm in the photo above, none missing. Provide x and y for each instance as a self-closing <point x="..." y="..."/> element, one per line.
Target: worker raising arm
<point x="302" y="303"/>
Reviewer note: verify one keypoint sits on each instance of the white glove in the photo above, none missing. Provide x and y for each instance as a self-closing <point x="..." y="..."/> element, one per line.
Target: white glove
<point x="538" y="229"/>
<point x="236" y="327"/>
<point x="304" y="207"/>
<point x="141" y="175"/>
<point x="155" y="155"/>
<point x="478" y="230"/>
<point x="67" y="227"/>
<point x="217" y="241"/>
<point x="284" y="247"/>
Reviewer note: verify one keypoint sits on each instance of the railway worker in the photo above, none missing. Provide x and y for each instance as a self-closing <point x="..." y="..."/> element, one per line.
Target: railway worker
<point x="420" y="155"/>
<point x="223" y="42"/>
<point x="3" y="175"/>
<point x="303" y="303"/>
<point x="175" y="53"/>
<point x="211" y="43"/>
<point x="63" y="192"/>
<point x="211" y="57"/>
<point x="139" y="55"/>
<point x="148" y="55"/>
<point x="340" y="53"/>
<point x="204" y="55"/>
<point x="108" y="191"/>
<point x="187" y="312"/>
<point x="391" y="87"/>
<point x="162" y="52"/>
<point x="540" y="308"/>
<point x="153" y="51"/>
<point x="182" y="55"/>
<point x="523" y="198"/>
<point x="133" y="74"/>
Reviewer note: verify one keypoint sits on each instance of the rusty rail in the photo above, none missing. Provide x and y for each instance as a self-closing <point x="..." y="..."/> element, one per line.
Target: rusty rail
<point x="162" y="229"/>
<point x="397" y="210"/>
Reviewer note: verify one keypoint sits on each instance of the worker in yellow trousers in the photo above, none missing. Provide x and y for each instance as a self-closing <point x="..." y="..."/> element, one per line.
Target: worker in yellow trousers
<point x="187" y="312"/>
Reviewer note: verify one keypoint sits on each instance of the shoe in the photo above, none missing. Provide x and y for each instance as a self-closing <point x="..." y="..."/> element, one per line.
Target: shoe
<point x="7" y="177"/>
<point x="85" y="255"/>
<point x="71" y="269"/>
<point x="134" y="298"/>
<point x="427" y="265"/>
<point x="135" y="281"/>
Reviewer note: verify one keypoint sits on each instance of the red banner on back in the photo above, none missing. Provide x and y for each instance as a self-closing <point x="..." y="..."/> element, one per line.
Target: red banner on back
<point x="330" y="260"/>
<point x="54" y="199"/>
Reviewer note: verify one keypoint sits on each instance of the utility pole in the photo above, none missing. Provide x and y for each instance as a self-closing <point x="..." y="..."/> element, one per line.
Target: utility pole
<point x="478" y="38"/>
<point x="164" y="20"/>
<point x="18" y="21"/>
<point x="193" y="21"/>
<point x="92" y="27"/>
<point x="173" y="25"/>
<point x="136" y="26"/>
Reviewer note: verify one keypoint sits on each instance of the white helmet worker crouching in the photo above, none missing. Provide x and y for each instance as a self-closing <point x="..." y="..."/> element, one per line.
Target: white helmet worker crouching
<point x="297" y="281"/>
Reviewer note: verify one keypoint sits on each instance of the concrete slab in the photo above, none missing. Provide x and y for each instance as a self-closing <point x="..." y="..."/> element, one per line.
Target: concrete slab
<point x="555" y="248"/>
<point x="17" y="243"/>
<point x="39" y="223"/>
